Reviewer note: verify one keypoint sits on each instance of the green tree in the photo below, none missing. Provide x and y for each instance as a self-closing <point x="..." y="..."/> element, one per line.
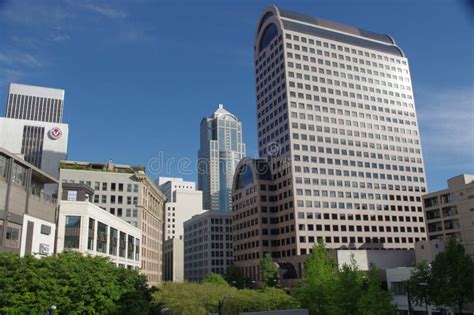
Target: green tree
<point x="348" y="291"/>
<point x="75" y="284"/>
<point x="214" y="278"/>
<point x="191" y="298"/>
<point x="317" y="288"/>
<point x="235" y="278"/>
<point x="452" y="280"/>
<point x="268" y="270"/>
<point x="374" y="300"/>
<point x="419" y="283"/>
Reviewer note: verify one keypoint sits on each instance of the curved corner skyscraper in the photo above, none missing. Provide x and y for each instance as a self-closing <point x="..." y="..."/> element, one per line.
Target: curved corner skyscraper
<point x="220" y="150"/>
<point x="337" y="125"/>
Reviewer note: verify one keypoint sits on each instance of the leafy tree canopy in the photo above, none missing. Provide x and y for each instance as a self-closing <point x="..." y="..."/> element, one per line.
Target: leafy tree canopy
<point x="75" y="284"/>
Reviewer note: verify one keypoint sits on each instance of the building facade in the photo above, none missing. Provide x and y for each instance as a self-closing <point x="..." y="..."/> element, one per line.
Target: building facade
<point x="28" y="102"/>
<point x="88" y="229"/>
<point x="168" y="185"/>
<point x="27" y="212"/>
<point x="221" y="148"/>
<point x="337" y="123"/>
<point x="173" y="260"/>
<point x="450" y="212"/>
<point x="32" y="126"/>
<point x="126" y="192"/>
<point x="207" y="244"/>
<point x="185" y="202"/>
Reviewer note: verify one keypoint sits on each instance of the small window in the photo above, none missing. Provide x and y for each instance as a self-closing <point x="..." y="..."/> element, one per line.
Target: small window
<point x="72" y="195"/>
<point x="45" y="229"/>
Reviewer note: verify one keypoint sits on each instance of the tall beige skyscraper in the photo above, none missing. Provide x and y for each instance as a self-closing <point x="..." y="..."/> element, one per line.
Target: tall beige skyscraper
<point x="337" y="127"/>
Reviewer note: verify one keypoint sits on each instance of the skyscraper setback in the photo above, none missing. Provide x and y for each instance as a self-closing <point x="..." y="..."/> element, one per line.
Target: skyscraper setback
<point x="35" y="103"/>
<point x="220" y="150"/>
<point x="337" y="126"/>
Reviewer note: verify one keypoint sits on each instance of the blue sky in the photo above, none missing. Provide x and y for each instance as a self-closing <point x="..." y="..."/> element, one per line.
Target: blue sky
<point x="139" y="75"/>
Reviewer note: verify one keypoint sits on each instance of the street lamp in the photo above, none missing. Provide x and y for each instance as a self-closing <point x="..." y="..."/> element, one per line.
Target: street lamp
<point x="52" y="309"/>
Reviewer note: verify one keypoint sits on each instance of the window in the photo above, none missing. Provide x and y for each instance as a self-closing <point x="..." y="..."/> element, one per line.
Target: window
<point x="113" y="241"/>
<point x="122" y="244"/>
<point x="13" y="235"/>
<point x="104" y="186"/>
<point x="131" y="247"/>
<point x="19" y="174"/>
<point x="91" y="233"/>
<point x="3" y="166"/>
<point x="72" y="231"/>
<point x="72" y="195"/>
<point x="101" y="238"/>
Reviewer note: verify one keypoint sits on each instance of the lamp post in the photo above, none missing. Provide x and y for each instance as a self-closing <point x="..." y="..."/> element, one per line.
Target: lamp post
<point x="52" y="309"/>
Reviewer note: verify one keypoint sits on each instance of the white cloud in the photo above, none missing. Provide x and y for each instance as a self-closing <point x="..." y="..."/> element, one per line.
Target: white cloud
<point x="107" y="11"/>
<point x="446" y="120"/>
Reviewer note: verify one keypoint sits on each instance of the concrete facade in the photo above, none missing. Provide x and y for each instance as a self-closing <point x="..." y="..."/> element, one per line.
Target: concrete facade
<point x="173" y="260"/>
<point x="450" y="212"/>
<point x="86" y="228"/>
<point x="207" y="244"/>
<point x="337" y="122"/>
<point x="27" y="212"/>
<point x="46" y="151"/>
<point x="127" y="192"/>
<point x="168" y="185"/>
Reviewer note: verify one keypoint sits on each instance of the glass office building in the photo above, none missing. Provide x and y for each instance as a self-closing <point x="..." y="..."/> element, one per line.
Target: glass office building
<point x="220" y="150"/>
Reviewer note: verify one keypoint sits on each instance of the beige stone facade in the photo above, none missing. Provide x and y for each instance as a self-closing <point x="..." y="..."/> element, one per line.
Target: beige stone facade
<point x="450" y="212"/>
<point x="337" y="122"/>
<point x="127" y="192"/>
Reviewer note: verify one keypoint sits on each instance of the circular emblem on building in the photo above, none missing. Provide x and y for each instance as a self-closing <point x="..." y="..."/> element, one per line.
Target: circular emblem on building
<point x="55" y="133"/>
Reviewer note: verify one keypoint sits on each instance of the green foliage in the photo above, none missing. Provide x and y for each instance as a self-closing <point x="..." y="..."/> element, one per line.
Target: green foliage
<point x="203" y="298"/>
<point x="419" y="283"/>
<point x="215" y="279"/>
<point x="268" y="270"/>
<point x="374" y="300"/>
<point x="235" y="277"/>
<point x="324" y="290"/>
<point x="75" y="284"/>
<point x="452" y="277"/>
<point x="347" y="294"/>
<point x="318" y="286"/>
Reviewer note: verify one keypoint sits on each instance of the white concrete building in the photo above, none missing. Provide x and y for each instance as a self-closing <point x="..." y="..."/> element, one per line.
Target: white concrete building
<point x="168" y="185"/>
<point x="207" y="244"/>
<point x="186" y="202"/>
<point x="35" y="103"/>
<point x="33" y="128"/>
<point x="128" y="193"/>
<point x="43" y="144"/>
<point x="173" y="260"/>
<point x="84" y="227"/>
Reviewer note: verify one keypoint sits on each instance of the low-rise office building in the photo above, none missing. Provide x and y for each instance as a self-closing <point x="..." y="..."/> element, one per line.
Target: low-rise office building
<point x="207" y="244"/>
<point x="86" y="228"/>
<point x="450" y="212"/>
<point x="173" y="260"/>
<point x="27" y="213"/>
<point x="184" y="201"/>
<point x="128" y="193"/>
<point x="168" y="185"/>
